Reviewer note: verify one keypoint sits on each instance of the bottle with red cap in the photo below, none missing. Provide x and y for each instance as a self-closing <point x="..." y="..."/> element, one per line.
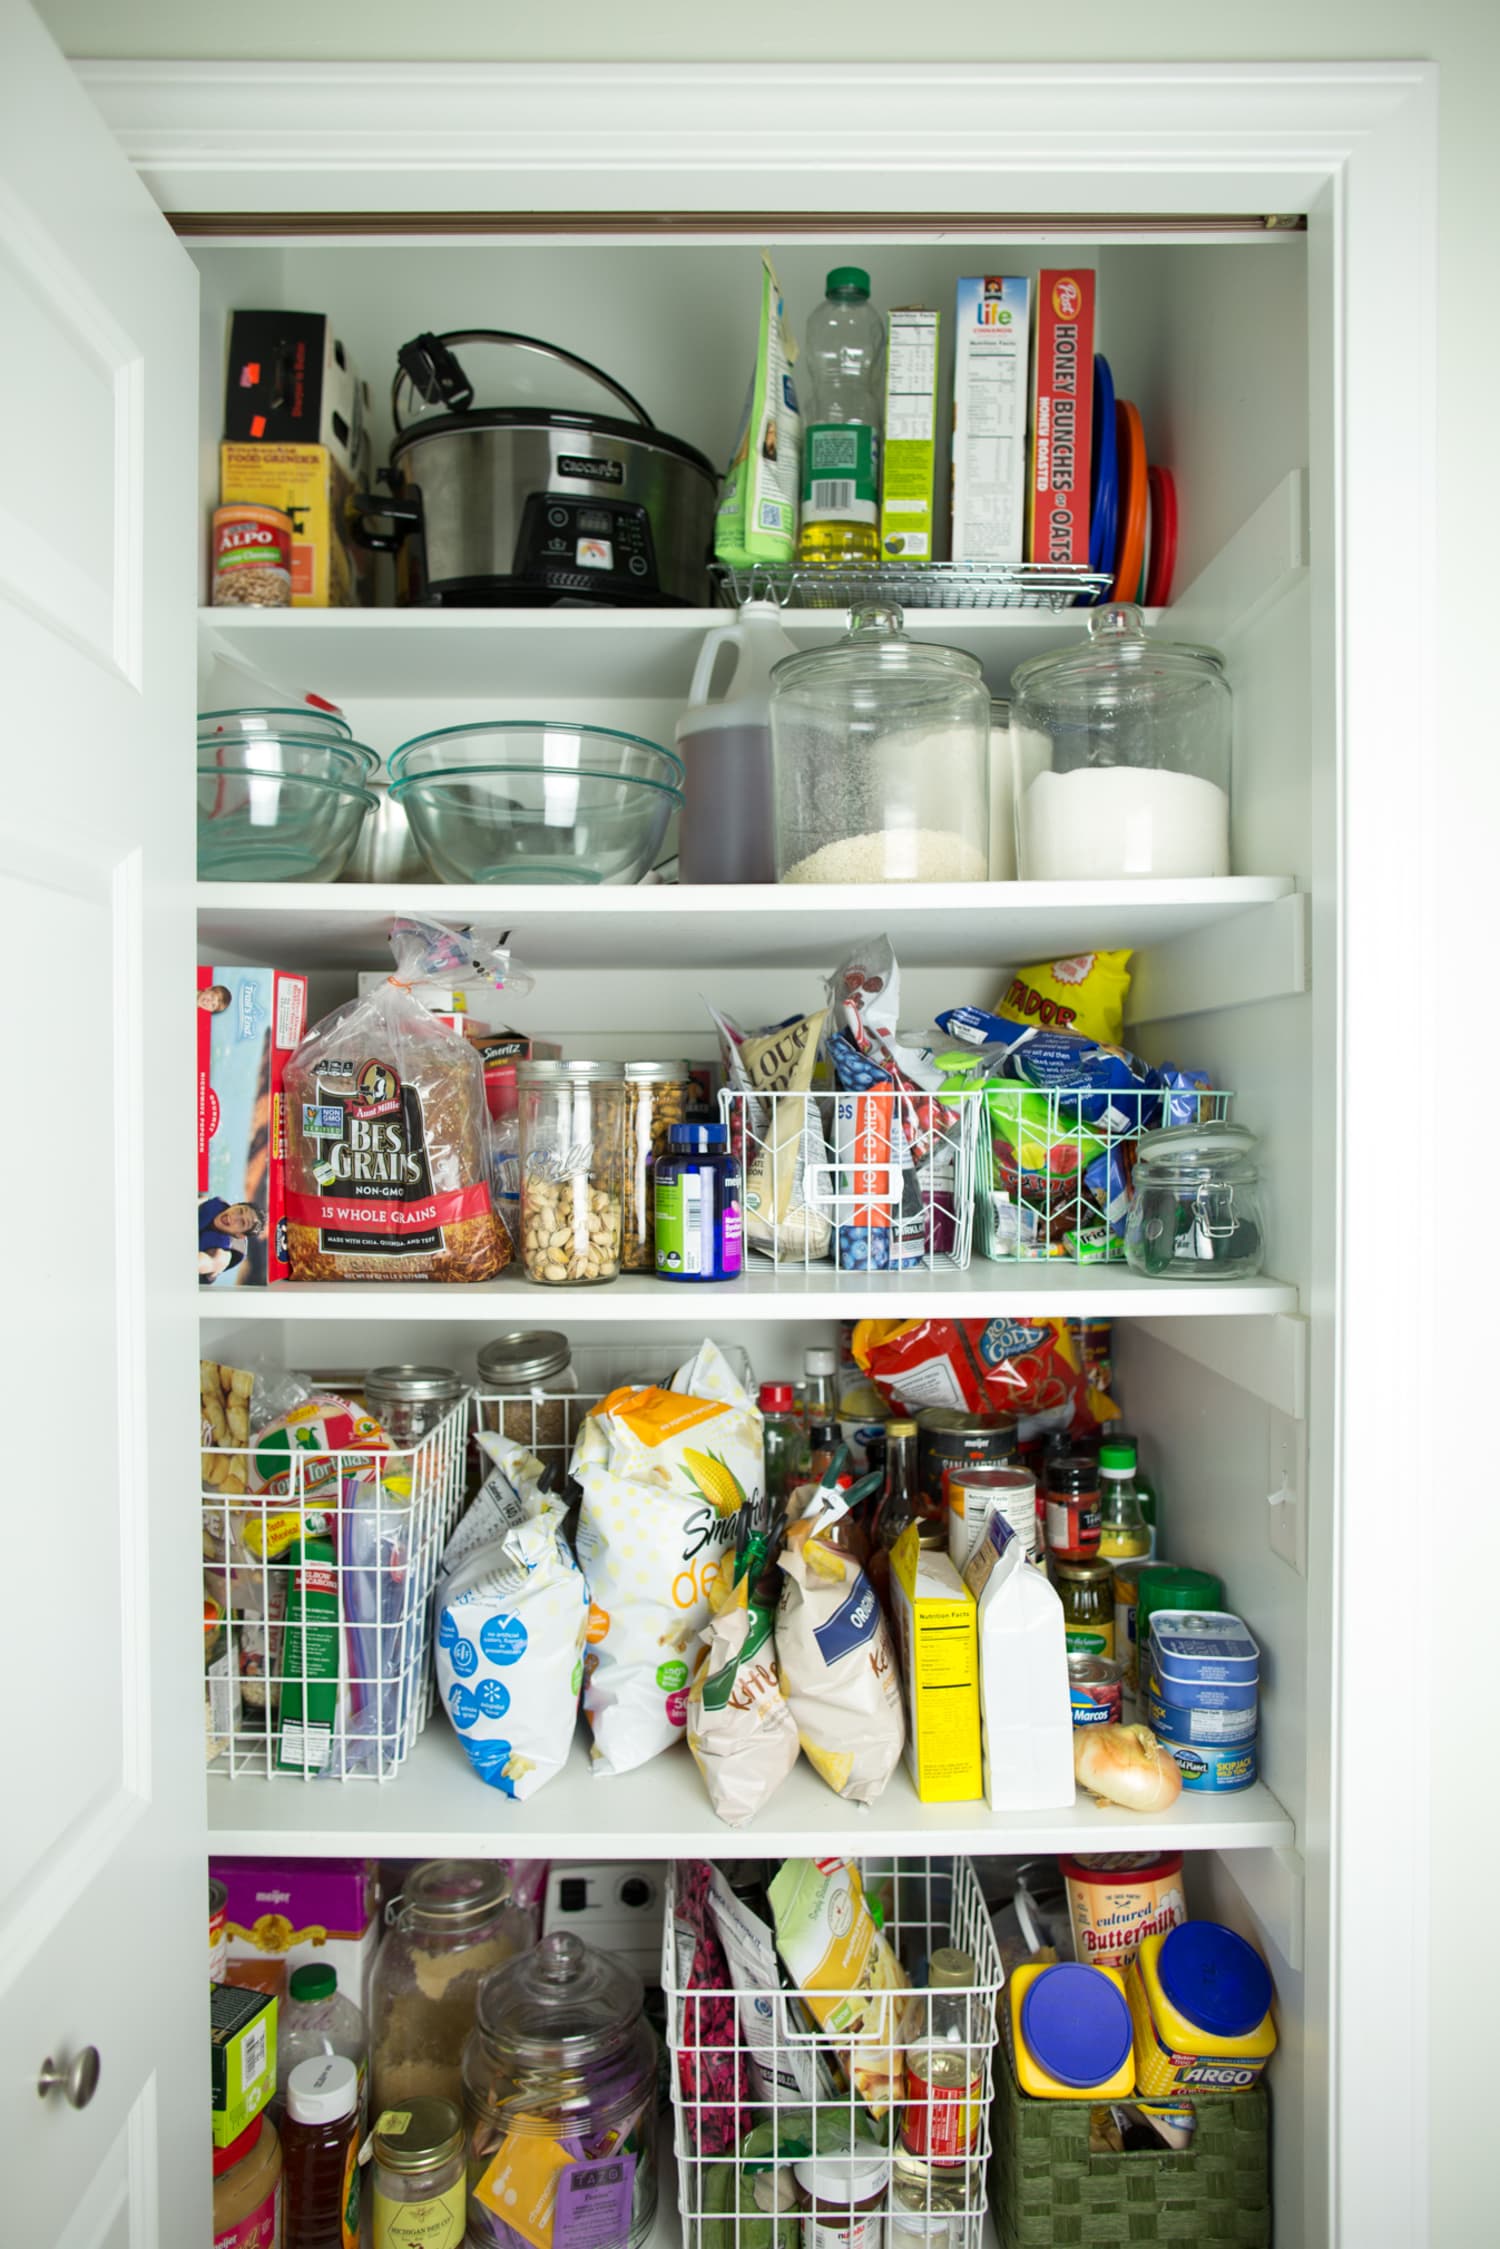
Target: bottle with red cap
<point x="785" y="1441"/>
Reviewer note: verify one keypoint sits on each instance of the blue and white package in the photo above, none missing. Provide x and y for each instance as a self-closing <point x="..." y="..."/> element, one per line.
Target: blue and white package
<point x="1201" y="1728"/>
<point x="511" y="1617"/>
<point x="1204" y="1659"/>
<point x="1213" y="1768"/>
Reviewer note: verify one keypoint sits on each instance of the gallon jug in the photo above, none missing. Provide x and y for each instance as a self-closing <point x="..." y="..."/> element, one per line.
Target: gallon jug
<point x="727" y="830"/>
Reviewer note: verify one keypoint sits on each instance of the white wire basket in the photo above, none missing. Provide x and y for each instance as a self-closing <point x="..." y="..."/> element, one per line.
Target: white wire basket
<point x="873" y="1181"/>
<point x="1051" y="1187"/>
<point x="546" y="1419"/>
<point x="352" y="1540"/>
<point x="916" y="585"/>
<point x="757" y="2086"/>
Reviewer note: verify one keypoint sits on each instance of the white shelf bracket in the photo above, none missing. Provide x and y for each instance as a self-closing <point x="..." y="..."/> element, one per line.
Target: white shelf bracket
<point x="1273" y="1884"/>
<point x="1265" y="557"/>
<point x="1261" y="954"/>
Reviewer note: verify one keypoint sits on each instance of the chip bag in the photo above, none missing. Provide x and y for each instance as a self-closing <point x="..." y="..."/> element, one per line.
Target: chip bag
<point x="838" y="1667"/>
<point x="740" y="1730"/>
<point x="1020" y="1367"/>
<point x="1085" y="993"/>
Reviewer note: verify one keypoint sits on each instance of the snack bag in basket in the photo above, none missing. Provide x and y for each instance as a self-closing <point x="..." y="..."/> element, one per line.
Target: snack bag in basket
<point x="742" y="1734"/>
<point x="845" y="1970"/>
<point x="780" y="1144"/>
<point x="838" y="1667"/>
<point x="388" y="1157"/>
<point x="894" y="1141"/>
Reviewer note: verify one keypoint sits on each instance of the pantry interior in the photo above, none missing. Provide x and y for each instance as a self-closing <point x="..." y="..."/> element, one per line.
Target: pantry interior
<point x="1221" y="334"/>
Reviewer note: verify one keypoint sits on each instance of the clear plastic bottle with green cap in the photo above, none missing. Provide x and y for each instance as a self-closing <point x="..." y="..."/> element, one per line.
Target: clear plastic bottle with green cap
<point x="316" y="2018"/>
<point x="1123" y="1533"/>
<point x="843" y="366"/>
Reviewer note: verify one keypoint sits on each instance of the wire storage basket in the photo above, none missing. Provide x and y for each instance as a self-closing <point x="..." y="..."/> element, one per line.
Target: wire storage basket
<point x="763" y="2098"/>
<point x="874" y="1180"/>
<point x="1051" y="1185"/>
<point x="318" y="1603"/>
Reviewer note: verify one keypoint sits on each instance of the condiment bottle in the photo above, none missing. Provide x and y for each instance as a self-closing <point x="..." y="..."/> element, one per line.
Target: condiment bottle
<point x="847" y="2192"/>
<point x="320" y="2151"/>
<point x="897" y="1506"/>
<point x="418" y="2176"/>
<point x="1123" y="1536"/>
<point x="317" y="2019"/>
<point x="1072" y="1507"/>
<point x="247" y="2189"/>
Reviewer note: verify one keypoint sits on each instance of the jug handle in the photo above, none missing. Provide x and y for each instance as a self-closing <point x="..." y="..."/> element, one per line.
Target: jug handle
<point x="725" y="636"/>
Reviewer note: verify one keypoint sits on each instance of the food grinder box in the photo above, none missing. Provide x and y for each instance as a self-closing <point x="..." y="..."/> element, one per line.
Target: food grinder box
<point x="937" y="1627"/>
<point x="307" y="483"/>
<point x="991" y="345"/>
<point x="250" y="1022"/>
<point x="303" y="1912"/>
<point x="1062" y="413"/>
<point x="291" y="381"/>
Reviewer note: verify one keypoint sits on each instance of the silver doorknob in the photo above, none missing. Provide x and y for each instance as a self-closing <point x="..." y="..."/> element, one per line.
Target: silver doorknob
<point x="78" y="2081"/>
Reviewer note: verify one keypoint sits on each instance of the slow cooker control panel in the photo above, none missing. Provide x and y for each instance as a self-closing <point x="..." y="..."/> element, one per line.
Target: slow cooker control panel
<point x="587" y="546"/>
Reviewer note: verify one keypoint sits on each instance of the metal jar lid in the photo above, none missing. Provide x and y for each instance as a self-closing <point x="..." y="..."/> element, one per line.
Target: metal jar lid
<point x="522" y="1356"/>
<point x="657" y="1073"/>
<point x="421" y="2134"/>
<point x="413" y="1385"/>
<point x="568" y="1073"/>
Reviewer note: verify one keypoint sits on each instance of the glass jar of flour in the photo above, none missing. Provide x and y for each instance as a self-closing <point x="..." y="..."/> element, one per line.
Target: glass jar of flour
<point x="1121" y="751"/>
<point x="881" y="751"/>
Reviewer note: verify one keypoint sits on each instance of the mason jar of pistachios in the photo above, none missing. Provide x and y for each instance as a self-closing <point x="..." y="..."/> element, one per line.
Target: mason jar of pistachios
<point x="656" y="1098"/>
<point x="572" y="1171"/>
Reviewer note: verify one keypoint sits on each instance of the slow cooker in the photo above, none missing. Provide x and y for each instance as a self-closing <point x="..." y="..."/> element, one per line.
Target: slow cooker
<point x="529" y="503"/>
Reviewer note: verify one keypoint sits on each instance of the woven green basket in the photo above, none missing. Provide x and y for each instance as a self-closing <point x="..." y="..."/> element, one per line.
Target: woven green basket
<point x="1048" y="2192"/>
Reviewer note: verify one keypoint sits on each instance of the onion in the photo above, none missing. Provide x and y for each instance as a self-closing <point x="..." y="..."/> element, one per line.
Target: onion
<point x="1126" y="1765"/>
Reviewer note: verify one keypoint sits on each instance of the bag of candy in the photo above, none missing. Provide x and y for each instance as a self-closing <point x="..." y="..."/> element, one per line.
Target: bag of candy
<point x="1020" y="1367"/>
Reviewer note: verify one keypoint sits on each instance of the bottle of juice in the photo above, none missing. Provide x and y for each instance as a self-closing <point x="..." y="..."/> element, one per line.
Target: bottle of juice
<point x="843" y="368"/>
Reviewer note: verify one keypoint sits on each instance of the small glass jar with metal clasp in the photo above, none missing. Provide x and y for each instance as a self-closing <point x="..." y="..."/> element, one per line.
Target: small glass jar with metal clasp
<point x="1195" y="1205"/>
<point x="418" y="2183"/>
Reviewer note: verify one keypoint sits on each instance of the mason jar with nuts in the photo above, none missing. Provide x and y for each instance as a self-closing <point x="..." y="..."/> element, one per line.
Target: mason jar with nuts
<point x="656" y="1098"/>
<point x="572" y="1171"/>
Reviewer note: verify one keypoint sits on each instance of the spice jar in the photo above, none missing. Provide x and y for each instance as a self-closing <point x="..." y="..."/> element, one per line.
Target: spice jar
<point x="881" y="749"/>
<point x="453" y="1924"/>
<point x="409" y="1402"/>
<point x="417" y="2153"/>
<point x="247" y="2189"/>
<point x="1087" y="1593"/>
<point x="514" y="1369"/>
<point x="572" y="1171"/>
<point x="656" y="1098"/>
<point x="1121" y="752"/>
<point x="1195" y="1212"/>
<point x="560" y="2065"/>
<point x="1073" y="1507"/>
<point x="846" y="2199"/>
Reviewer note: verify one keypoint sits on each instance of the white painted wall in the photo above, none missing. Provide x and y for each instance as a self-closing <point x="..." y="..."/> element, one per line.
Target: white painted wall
<point x="1438" y="1347"/>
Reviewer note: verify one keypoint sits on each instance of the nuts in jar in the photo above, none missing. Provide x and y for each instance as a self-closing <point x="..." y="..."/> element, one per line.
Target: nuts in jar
<point x="570" y="1231"/>
<point x="572" y="1171"/>
<point x="656" y="1098"/>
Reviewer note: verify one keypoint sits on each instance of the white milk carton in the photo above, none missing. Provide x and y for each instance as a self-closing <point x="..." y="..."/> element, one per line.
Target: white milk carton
<point x="1024" y="1700"/>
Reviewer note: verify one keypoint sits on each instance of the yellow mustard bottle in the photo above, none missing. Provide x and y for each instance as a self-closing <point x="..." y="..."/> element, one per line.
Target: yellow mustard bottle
<point x="1200" y="2001"/>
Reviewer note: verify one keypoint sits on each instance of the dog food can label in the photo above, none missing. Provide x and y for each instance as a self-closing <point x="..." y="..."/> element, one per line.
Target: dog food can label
<point x="251" y="557"/>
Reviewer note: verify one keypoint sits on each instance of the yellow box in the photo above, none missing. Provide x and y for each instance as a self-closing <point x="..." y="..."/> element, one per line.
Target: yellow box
<point x="1030" y="2075"/>
<point x="308" y="483"/>
<point x="1176" y="2055"/>
<point x="937" y="1626"/>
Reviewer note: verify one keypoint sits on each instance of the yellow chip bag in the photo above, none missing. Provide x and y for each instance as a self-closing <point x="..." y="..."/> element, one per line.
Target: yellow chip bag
<point x="1085" y="994"/>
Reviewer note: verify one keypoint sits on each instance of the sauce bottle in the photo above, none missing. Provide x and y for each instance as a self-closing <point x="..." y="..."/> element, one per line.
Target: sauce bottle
<point x="320" y="2155"/>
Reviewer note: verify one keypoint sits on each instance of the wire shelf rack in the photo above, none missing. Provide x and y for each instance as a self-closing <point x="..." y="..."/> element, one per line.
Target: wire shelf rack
<point x="915" y="585"/>
<point x="1051" y="1187"/>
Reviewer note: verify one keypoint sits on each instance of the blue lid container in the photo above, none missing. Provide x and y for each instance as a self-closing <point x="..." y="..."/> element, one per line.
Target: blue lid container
<point x="1214" y="1978"/>
<point x="698" y="1139"/>
<point x="1077" y="2025"/>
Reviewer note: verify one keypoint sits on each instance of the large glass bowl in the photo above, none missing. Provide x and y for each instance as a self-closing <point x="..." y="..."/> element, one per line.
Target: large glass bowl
<point x="266" y="718"/>
<point x="331" y="756"/>
<point x="276" y="827"/>
<point x="537" y="802"/>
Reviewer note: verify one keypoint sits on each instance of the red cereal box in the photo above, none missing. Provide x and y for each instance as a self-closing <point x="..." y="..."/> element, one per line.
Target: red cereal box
<point x="1062" y="412"/>
<point x="250" y="1022"/>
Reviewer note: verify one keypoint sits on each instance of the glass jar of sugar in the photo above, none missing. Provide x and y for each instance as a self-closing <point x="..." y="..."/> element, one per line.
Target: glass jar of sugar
<point x="881" y="751"/>
<point x="1121" y="756"/>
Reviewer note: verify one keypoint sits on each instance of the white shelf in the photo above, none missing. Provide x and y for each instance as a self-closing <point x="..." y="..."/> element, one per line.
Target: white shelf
<point x="986" y="926"/>
<point x="1050" y="1290"/>
<point x="479" y="655"/>
<point x="435" y="1806"/>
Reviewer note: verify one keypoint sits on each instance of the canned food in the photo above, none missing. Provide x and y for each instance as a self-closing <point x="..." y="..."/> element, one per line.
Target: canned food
<point x="974" y="1495"/>
<point x="1097" y="1690"/>
<point x="950" y="1439"/>
<point x="250" y="557"/>
<point x="1118" y="1899"/>
<point x="1073" y="1507"/>
<point x="1127" y="1643"/>
<point x="1086" y="1590"/>
<point x="218" y="1931"/>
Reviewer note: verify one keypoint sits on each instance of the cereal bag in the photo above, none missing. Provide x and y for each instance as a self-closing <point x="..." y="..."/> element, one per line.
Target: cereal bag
<point x="846" y="1971"/>
<point x="740" y="1730"/>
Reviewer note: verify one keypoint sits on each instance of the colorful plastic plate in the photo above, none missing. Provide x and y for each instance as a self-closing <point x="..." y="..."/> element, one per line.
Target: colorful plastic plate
<point x="1163" y="549"/>
<point x="1104" y="492"/>
<point x="1131" y="439"/>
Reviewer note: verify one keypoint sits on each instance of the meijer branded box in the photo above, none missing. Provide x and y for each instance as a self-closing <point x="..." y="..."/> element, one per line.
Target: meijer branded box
<point x="910" y="451"/>
<point x="1062" y="413"/>
<point x="991" y="343"/>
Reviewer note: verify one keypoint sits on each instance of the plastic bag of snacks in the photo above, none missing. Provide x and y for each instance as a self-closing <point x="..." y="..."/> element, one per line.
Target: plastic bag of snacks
<point x="845" y="1970"/>
<point x="713" y="2066"/>
<point x="740" y="1729"/>
<point x="889" y="1130"/>
<point x="388" y="1155"/>
<point x="1020" y="1367"/>
<point x="838" y="1667"/>
<point x="778" y="1142"/>
<point x="1085" y="993"/>
<point x="664" y="1474"/>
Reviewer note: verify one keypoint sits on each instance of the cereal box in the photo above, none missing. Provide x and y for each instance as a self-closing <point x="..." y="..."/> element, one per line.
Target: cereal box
<point x="1062" y="412"/>
<point x="907" y="457"/>
<point x="250" y="1022"/>
<point x="991" y="343"/>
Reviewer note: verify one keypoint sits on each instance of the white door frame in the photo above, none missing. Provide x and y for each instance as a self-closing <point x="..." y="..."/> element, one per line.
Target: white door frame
<point x="1353" y="146"/>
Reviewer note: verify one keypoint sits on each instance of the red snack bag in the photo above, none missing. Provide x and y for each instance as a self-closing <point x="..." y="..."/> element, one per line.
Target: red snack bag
<point x="713" y="2074"/>
<point x="1020" y="1367"/>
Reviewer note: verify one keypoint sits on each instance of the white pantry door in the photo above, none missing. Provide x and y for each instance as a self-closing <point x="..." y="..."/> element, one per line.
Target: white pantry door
<point x="102" y="1874"/>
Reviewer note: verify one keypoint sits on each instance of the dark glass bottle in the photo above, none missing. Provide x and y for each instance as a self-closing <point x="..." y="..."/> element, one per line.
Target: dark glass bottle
<point x="899" y="1504"/>
<point x="320" y="2155"/>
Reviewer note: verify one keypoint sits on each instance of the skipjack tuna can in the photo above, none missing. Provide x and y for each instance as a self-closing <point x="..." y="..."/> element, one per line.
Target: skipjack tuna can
<point x="948" y="1442"/>
<point x="1212" y="1768"/>
<point x="218" y="1931"/>
<point x="1097" y="1688"/>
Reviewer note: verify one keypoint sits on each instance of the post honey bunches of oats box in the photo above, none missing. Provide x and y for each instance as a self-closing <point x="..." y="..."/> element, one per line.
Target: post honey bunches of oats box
<point x="991" y="344"/>
<point x="909" y="454"/>
<point x="937" y="1628"/>
<point x="1062" y="413"/>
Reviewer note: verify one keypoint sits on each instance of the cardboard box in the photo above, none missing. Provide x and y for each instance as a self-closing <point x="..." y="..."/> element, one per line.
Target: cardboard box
<point x="1062" y="415"/>
<point x="308" y="483"/>
<point x="301" y="1912"/>
<point x="242" y="2039"/>
<point x="937" y="1629"/>
<point x="250" y="1023"/>
<point x="290" y="381"/>
<point x="991" y="347"/>
<point x="910" y="452"/>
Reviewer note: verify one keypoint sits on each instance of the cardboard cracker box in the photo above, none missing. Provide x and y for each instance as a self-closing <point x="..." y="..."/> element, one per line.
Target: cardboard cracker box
<point x="909" y="453"/>
<point x="304" y="1912"/>
<point x="1062" y="413"/>
<point x="291" y="381"/>
<point x="937" y="1629"/>
<point x="250" y="1022"/>
<point x="309" y="485"/>
<point x="991" y="356"/>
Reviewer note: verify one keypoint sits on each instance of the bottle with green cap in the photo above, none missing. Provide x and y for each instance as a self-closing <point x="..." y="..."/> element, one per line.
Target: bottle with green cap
<point x="1123" y="1533"/>
<point x="316" y="2018"/>
<point x="843" y="366"/>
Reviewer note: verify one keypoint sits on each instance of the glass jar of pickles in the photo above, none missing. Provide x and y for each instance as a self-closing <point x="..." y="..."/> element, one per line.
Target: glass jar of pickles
<point x="656" y="1098"/>
<point x="572" y="1171"/>
<point x="1087" y="1593"/>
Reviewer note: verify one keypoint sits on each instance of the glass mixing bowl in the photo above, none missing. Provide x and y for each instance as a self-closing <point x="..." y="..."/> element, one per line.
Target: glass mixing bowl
<point x="277" y="827"/>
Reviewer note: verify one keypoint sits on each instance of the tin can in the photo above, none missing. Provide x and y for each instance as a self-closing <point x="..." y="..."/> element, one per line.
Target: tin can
<point x="1127" y="1611"/>
<point x="1095" y="1684"/>
<point x="250" y="557"/>
<point x="218" y="1931"/>
<point x="949" y="1440"/>
<point x="1117" y="1900"/>
<point x="974" y="1495"/>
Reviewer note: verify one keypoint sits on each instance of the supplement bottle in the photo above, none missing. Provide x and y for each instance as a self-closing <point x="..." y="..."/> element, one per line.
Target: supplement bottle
<point x="698" y="1216"/>
<point x="320" y="2152"/>
<point x="843" y="363"/>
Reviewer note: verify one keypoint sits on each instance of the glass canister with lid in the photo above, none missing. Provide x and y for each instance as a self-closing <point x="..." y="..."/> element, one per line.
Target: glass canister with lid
<point x="572" y="1171"/>
<point x="560" y="2083"/>
<point x="453" y="1923"/>
<point x="881" y="748"/>
<point x="1121" y="756"/>
<point x="1195" y="1207"/>
<point x="410" y="1401"/>
<point x="521" y="1374"/>
<point x="656" y="1098"/>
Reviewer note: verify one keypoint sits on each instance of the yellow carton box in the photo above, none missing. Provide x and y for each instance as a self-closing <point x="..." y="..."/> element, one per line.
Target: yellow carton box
<point x="937" y="1629"/>
<point x="309" y="485"/>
